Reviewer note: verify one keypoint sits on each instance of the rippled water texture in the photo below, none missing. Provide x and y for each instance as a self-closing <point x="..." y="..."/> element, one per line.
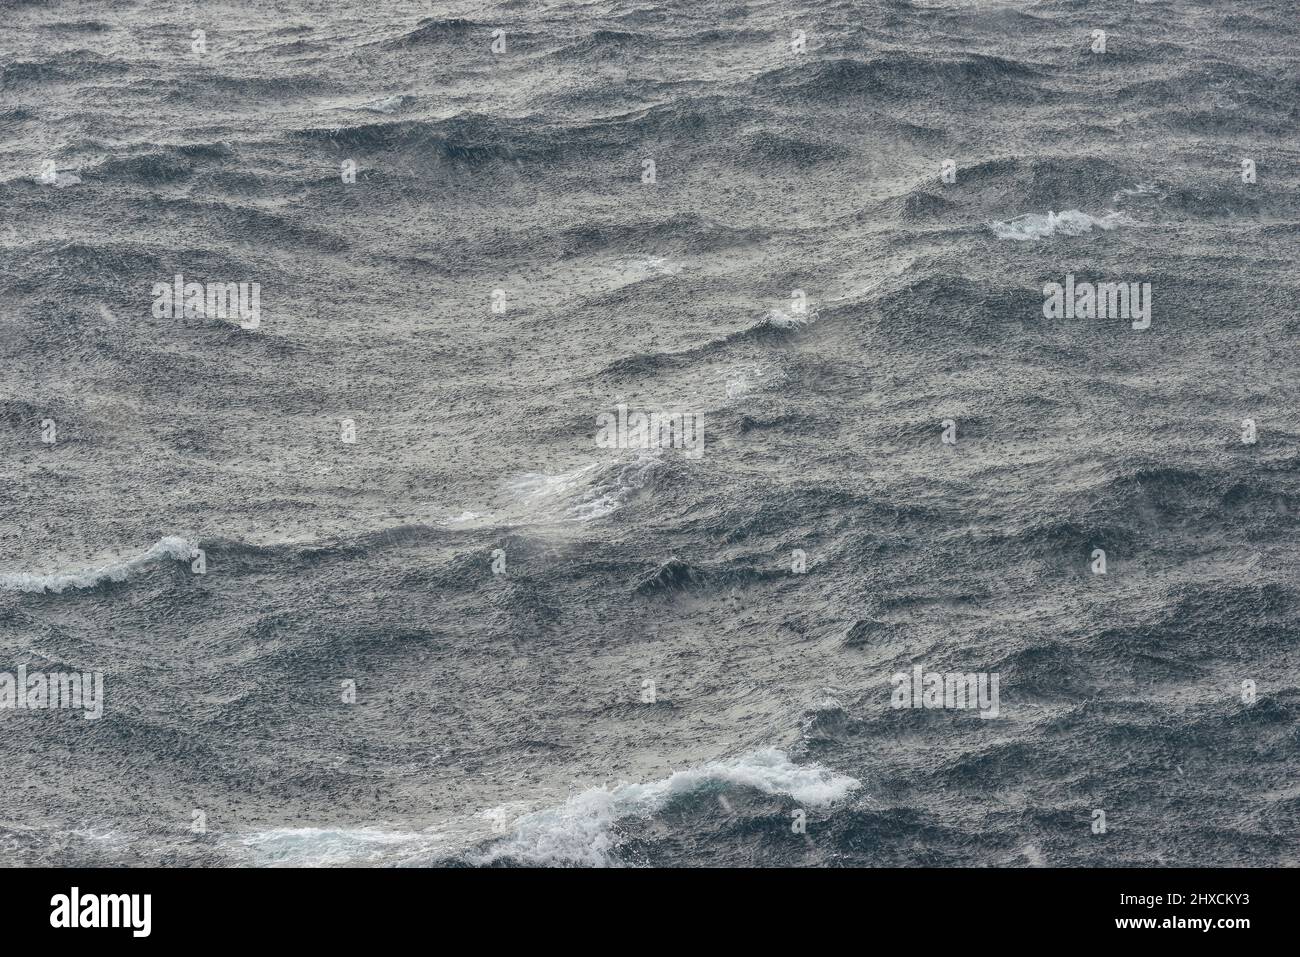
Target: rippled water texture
<point x="369" y="580"/>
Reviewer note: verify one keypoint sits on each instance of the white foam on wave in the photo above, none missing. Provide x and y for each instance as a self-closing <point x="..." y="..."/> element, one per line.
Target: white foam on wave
<point x="340" y="846"/>
<point x="780" y="319"/>
<point x="1141" y="189"/>
<point x="325" y="847"/>
<point x="1070" y="222"/>
<point x="628" y="269"/>
<point x="390" y="105"/>
<point x="540" y="485"/>
<point x="62" y="180"/>
<point x="580" y="830"/>
<point x="172" y="546"/>
<point x="585" y="494"/>
<point x="576" y="832"/>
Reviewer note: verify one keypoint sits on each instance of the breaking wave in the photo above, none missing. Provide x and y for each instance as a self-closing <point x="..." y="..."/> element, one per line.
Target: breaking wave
<point x="170" y="547"/>
<point x="326" y="847"/>
<point x="580" y="831"/>
<point x="583" y="495"/>
<point x="1070" y="222"/>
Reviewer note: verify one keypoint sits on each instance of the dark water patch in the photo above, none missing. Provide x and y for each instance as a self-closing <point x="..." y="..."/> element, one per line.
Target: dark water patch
<point x="906" y="76"/>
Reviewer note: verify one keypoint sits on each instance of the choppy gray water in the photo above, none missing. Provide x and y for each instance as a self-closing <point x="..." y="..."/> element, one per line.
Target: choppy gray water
<point x="825" y="230"/>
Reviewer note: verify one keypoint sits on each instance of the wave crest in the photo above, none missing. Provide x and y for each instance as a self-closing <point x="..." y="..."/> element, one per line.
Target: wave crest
<point x="580" y="831"/>
<point x="172" y="546"/>
<point x="1070" y="222"/>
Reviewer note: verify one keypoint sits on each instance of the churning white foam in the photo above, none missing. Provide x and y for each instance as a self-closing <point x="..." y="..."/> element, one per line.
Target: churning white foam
<point x="1141" y="189"/>
<point x="585" y="494"/>
<point x="780" y="319"/>
<point x="172" y="546"/>
<point x="576" y="832"/>
<point x="325" y="847"/>
<point x="391" y="105"/>
<point x="62" y="180"/>
<point x="1070" y="222"/>
<point x="580" y="830"/>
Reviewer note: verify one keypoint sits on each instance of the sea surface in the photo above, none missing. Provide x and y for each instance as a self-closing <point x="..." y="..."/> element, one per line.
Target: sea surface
<point x="366" y="587"/>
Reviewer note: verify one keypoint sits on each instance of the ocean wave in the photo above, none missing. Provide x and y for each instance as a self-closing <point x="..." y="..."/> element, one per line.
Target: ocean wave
<point x="78" y="26"/>
<point x="1254" y="23"/>
<point x="1207" y="78"/>
<point x="780" y="319"/>
<point x="1069" y="222"/>
<point x="325" y="847"/>
<point x="150" y="168"/>
<point x="434" y="30"/>
<point x="763" y="149"/>
<point x="77" y="66"/>
<point x="682" y="232"/>
<point x="952" y="301"/>
<point x="62" y="180"/>
<point x="907" y="75"/>
<point x="581" y="831"/>
<point x="280" y="87"/>
<point x="588" y="493"/>
<point x="691" y="118"/>
<point x="172" y="546"/>
<point x="920" y="206"/>
<point x="672" y="576"/>
<point x="606" y="45"/>
<point x="1049" y="182"/>
<point x="774" y="326"/>
<point x="472" y="140"/>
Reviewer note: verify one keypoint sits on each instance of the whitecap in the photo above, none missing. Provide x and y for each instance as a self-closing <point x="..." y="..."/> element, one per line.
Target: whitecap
<point x="580" y="831"/>
<point x="1141" y="189"/>
<point x="390" y="105"/>
<point x="1070" y="222"/>
<point x="780" y="319"/>
<point x="587" y="493"/>
<point x="170" y="547"/>
<point x="61" y="180"/>
<point x="324" y="847"/>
